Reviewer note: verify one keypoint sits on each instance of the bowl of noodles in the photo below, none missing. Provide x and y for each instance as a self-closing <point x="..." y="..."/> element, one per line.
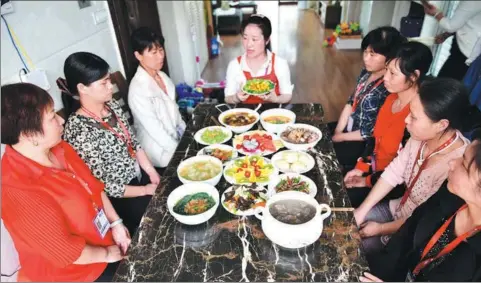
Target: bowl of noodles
<point x="200" y="169"/>
<point x="277" y="120"/>
<point x="193" y="204"/>
<point x="258" y="87"/>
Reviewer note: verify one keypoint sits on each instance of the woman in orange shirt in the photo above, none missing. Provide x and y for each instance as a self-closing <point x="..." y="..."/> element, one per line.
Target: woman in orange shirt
<point x="404" y="74"/>
<point x="61" y="222"/>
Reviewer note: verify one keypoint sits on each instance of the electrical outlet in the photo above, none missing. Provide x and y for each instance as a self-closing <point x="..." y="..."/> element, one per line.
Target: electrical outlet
<point x="84" y="3"/>
<point x="7" y="7"/>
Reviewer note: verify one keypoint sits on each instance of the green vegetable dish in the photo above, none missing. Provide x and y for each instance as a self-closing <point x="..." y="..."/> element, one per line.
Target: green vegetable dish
<point x="292" y="184"/>
<point x="194" y="204"/>
<point x="258" y="86"/>
<point x="213" y="136"/>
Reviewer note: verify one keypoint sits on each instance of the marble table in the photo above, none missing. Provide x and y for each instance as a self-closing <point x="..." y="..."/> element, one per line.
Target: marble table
<point x="230" y="248"/>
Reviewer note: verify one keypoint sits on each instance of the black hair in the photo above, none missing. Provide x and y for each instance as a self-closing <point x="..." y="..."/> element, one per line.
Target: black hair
<point x="145" y="38"/>
<point x="23" y="107"/>
<point x="263" y="23"/>
<point x="383" y="40"/>
<point x="412" y="56"/>
<point x="83" y="68"/>
<point x="444" y="98"/>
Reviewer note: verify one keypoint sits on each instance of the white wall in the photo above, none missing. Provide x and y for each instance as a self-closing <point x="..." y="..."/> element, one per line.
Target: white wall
<point x="174" y="19"/>
<point x="50" y="31"/>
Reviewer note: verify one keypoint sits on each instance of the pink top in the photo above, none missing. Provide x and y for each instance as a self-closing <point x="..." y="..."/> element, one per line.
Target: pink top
<point x="399" y="172"/>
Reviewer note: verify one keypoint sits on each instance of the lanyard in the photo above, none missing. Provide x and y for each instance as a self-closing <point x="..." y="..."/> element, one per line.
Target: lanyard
<point x="357" y="95"/>
<point x="423" y="165"/>
<point x="448" y="248"/>
<point x="127" y="139"/>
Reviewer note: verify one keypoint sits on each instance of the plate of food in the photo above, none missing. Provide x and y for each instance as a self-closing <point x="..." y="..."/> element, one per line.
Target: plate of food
<point x="257" y="143"/>
<point x="193" y="204"/>
<point x="223" y="152"/>
<point x="258" y="87"/>
<point x="200" y="169"/>
<point x="293" y="161"/>
<point x="213" y="135"/>
<point x="301" y="137"/>
<point x="292" y="182"/>
<point x="239" y="120"/>
<point x="276" y="120"/>
<point x="250" y="169"/>
<point x="244" y="200"/>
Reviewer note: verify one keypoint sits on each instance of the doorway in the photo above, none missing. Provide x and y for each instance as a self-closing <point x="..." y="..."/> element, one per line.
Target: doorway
<point x="128" y="15"/>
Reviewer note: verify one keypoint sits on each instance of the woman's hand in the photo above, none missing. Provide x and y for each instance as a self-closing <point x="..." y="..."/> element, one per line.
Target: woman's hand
<point x="149" y="189"/>
<point x="440" y="38"/>
<point x="368" y="277"/>
<point x="338" y="137"/>
<point x="430" y="9"/>
<point x="356" y="182"/>
<point x="270" y="97"/>
<point x="121" y="237"/>
<point x="359" y="216"/>
<point x="154" y="176"/>
<point x="242" y="96"/>
<point x="114" y="254"/>
<point x="370" y="229"/>
<point x="353" y="173"/>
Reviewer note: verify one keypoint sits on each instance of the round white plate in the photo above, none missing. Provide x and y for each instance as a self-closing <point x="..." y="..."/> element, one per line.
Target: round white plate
<point x="273" y="183"/>
<point x="257" y="152"/>
<point x="199" y="133"/>
<point x="231" y="180"/>
<point x="222" y="147"/>
<point x="248" y="212"/>
<point x="309" y="161"/>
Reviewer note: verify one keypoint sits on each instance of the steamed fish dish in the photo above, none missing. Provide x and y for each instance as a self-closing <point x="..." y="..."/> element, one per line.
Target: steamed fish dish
<point x="212" y="136"/>
<point x="239" y="119"/>
<point x="222" y="155"/>
<point x="194" y="204"/>
<point x="299" y="135"/>
<point x="200" y="171"/>
<point x="277" y="119"/>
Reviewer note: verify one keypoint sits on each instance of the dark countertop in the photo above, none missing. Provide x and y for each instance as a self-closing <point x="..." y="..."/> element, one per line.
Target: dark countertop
<point x="231" y="248"/>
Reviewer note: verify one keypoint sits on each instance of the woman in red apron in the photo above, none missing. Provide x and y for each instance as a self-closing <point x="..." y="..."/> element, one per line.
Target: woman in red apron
<point x="259" y="63"/>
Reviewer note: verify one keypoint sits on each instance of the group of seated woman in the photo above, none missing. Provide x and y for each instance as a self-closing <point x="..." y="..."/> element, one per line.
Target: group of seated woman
<point x="397" y="141"/>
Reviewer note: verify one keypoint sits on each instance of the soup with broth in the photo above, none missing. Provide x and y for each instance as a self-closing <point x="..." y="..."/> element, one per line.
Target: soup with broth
<point x="291" y="211"/>
<point x="277" y="119"/>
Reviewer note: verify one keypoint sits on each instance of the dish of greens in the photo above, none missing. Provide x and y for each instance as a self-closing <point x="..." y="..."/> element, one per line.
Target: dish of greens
<point x="194" y="204"/>
<point x="258" y="87"/>
<point x="213" y="135"/>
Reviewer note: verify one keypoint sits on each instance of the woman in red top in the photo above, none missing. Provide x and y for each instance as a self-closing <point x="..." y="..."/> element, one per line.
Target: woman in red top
<point x="404" y="74"/>
<point x="61" y="222"/>
<point x="258" y="62"/>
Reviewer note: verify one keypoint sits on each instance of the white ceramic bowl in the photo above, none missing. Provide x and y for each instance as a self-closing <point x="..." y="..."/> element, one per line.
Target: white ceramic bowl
<point x="239" y="129"/>
<point x="303" y="146"/>
<point x="212" y="181"/>
<point x="277" y="128"/>
<point x="189" y="189"/>
<point x="303" y="157"/>
<point x="273" y="183"/>
<point x="198" y="134"/>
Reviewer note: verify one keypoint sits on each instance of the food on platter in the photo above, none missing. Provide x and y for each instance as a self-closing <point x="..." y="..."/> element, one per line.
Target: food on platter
<point x="299" y="135"/>
<point x="239" y="119"/>
<point x="219" y="153"/>
<point x="290" y="161"/>
<point x="242" y="199"/>
<point x="215" y="135"/>
<point x="277" y="119"/>
<point x="257" y="142"/>
<point x="194" y="204"/>
<point x="200" y="171"/>
<point x="258" y="86"/>
<point x="292" y="211"/>
<point x="249" y="169"/>
<point x="292" y="184"/>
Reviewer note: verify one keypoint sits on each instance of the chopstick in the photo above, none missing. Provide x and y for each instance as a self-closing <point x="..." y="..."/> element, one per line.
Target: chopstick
<point x="342" y="209"/>
<point x="215" y="121"/>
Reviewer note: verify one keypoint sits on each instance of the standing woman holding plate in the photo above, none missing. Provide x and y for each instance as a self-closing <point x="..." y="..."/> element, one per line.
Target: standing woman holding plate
<point x="258" y="62"/>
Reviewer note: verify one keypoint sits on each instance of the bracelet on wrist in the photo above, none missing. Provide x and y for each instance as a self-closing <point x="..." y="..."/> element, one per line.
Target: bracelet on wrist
<point x="116" y="222"/>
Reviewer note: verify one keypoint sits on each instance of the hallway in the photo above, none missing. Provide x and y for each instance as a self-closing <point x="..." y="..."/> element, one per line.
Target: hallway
<point x="320" y="75"/>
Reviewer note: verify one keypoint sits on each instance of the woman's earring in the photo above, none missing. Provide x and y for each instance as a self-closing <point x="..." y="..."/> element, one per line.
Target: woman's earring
<point x="35" y="143"/>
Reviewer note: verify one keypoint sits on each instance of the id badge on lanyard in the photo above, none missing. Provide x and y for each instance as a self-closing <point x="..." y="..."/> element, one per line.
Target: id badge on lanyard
<point x="410" y="277"/>
<point x="101" y="223"/>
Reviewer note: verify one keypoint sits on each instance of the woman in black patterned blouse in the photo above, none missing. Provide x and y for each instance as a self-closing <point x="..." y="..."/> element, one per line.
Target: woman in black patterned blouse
<point x="102" y="136"/>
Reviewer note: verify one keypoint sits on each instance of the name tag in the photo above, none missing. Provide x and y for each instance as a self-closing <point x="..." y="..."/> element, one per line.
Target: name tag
<point x="138" y="173"/>
<point x="350" y="123"/>
<point x="409" y="277"/>
<point x="180" y="132"/>
<point x="101" y="223"/>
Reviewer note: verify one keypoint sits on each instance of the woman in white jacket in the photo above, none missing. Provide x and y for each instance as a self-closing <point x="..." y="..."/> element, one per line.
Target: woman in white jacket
<point x="157" y="119"/>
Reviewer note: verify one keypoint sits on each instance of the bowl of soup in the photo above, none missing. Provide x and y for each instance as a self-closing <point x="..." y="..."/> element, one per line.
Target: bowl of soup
<point x="193" y="204"/>
<point x="293" y="219"/>
<point x="277" y="120"/>
<point x="239" y="120"/>
<point x="200" y="169"/>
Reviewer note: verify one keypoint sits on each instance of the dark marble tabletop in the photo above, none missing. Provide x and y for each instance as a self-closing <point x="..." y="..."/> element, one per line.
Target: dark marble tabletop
<point x="231" y="248"/>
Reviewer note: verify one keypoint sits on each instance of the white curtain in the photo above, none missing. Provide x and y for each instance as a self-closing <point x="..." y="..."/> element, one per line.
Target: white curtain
<point x="351" y="11"/>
